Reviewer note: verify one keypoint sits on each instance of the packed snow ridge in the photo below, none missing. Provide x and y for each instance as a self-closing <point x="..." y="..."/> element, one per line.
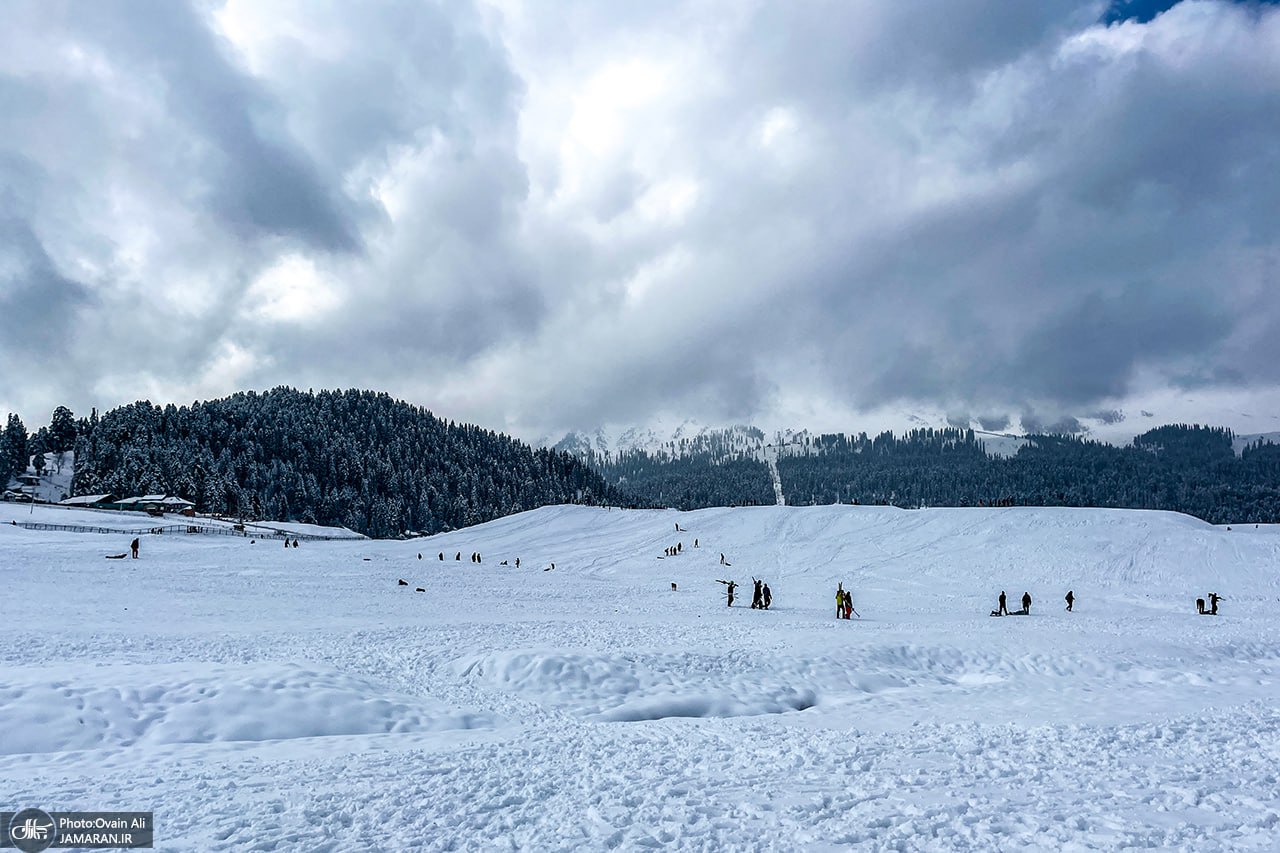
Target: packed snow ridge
<point x="602" y="694"/>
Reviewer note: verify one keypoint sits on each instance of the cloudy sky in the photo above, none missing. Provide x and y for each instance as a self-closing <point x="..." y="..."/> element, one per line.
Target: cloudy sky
<point x="550" y="215"/>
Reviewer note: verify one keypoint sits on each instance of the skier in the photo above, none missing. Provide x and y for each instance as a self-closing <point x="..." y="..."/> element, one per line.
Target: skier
<point x="458" y="557"/>
<point x="1214" y="598"/>
<point x="732" y="587"/>
<point x="695" y="543"/>
<point x="840" y="601"/>
<point x="517" y="562"/>
<point x="1004" y="609"/>
<point x="757" y="596"/>
<point x="1026" y="604"/>
<point x="1200" y="606"/>
<point x="1071" y="600"/>
<point x="768" y="597"/>
<point x="287" y="543"/>
<point x="722" y="559"/>
<point x="442" y="555"/>
<point x="133" y="546"/>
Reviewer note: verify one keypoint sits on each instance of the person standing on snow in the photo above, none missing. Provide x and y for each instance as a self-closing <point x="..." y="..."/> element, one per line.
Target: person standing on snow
<point x="133" y="547"/>
<point x="1004" y="608"/>
<point x="1071" y="600"/>
<point x="767" y="597"/>
<point x="1026" y="603"/>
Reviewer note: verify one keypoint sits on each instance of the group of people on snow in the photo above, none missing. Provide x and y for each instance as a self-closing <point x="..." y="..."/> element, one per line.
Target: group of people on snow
<point x="761" y="597"/>
<point x="1212" y="610"/>
<point x="1002" y="608"/>
<point x="844" y="602"/>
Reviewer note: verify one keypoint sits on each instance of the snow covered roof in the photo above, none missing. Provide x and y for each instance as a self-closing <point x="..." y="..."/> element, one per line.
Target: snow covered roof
<point x="86" y="500"/>
<point x="161" y="500"/>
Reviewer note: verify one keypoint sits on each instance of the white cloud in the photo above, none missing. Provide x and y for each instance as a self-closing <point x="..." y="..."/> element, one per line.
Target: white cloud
<point x="543" y="215"/>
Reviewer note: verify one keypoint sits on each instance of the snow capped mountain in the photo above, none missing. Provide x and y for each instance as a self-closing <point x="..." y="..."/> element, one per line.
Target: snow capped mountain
<point x="674" y="439"/>
<point x="690" y="436"/>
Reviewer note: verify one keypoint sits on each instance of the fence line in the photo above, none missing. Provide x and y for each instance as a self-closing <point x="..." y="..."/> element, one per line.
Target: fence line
<point x="198" y="529"/>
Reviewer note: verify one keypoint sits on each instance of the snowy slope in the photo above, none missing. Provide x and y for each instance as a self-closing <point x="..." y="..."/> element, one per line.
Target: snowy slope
<point x="299" y="699"/>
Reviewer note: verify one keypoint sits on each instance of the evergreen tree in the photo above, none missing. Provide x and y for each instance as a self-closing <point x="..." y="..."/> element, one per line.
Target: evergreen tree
<point x="13" y="448"/>
<point x="62" y="430"/>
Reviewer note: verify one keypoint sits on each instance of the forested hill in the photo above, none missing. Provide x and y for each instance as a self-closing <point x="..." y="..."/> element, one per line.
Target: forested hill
<point x="1185" y="468"/>
<point x="354" y="458"/>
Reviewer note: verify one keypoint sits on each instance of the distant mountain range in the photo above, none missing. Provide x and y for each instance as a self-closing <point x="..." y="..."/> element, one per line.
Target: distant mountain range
<point x="690" y="438"/>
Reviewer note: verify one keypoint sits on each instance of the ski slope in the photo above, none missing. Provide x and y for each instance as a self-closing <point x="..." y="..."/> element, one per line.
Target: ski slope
<point x="257" y="697"/>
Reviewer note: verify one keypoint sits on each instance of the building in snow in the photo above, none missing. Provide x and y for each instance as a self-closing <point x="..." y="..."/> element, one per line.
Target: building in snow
<point x="91" y="501"/>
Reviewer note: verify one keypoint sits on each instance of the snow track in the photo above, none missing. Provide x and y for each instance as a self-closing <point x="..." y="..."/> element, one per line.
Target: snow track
<point x="771" y="459"/>
<point x="258" y="698"/>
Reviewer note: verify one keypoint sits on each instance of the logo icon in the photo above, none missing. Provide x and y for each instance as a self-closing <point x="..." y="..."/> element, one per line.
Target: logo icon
<point x="32" y="830"/>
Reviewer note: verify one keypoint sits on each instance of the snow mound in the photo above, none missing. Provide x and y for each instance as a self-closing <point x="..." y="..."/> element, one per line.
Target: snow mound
<point x="631" y="688"/>
<point x="148" y="705"/>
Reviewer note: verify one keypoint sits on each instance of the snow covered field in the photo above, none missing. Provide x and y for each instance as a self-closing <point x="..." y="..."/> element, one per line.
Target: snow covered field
<point x="258" y="698"/>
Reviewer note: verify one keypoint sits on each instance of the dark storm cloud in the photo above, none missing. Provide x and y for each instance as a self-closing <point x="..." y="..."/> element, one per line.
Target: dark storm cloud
<point x="1087" y="351"/>
<point x="1027" y="288"/>
<point x="34" y="296"/>
<point x="245" y="167"/>
<point x="1034" y="423"/>
<point x="994" y="423"/>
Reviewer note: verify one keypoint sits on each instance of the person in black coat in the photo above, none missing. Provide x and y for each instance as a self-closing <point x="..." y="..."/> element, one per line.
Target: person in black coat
<point x="1026" y="603"/>
<point x="133" y="547"/>
<point x="1071" y="600"/>
<point x="1004" y="607"/>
